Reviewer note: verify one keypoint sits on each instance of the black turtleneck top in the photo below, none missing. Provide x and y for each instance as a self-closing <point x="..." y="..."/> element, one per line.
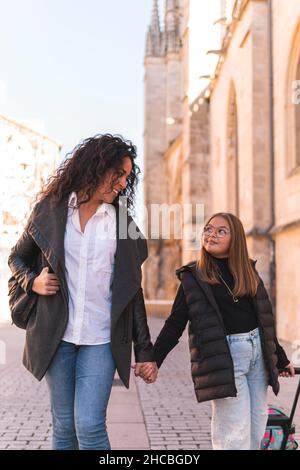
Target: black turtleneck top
<point x="238" y="317"/>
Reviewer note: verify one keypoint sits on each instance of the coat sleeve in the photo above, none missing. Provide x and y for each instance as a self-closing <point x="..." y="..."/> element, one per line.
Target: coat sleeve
<point x="173" y="328"/>
<point x="21" y="258"/>
<point x="143" y="348"/>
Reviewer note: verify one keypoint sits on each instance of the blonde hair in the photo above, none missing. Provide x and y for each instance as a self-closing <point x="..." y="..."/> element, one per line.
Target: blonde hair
<point x="246" y="279"/>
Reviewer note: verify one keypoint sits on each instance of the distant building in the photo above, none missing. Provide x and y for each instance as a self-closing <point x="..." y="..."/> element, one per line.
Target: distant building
<point x="27" y="158"/>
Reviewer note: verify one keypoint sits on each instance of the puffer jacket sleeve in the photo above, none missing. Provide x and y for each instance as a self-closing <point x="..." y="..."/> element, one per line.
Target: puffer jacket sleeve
<point x="22" y="257"/>
<point x="283" y="360"/>
<point x="173" y="328"/>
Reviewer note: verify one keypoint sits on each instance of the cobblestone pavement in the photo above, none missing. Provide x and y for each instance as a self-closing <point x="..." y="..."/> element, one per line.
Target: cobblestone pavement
<point x="173" y="418"/>
<point x="25" y="419"/>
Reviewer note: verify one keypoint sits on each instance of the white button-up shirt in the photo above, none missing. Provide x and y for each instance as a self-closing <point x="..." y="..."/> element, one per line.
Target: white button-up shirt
<point x="89" y="261"/>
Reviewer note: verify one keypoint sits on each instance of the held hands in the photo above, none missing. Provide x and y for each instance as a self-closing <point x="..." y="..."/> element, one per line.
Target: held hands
<point x="290" y="373"/>
<point x="45" y="283"/>
<point x="146" y="370"/>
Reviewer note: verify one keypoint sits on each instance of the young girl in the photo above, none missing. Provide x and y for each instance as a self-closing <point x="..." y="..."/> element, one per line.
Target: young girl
<point x="234" y="351"/>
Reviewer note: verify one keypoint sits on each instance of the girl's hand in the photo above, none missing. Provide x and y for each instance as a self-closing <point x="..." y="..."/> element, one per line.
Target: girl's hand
<point x="46" y="283"/>
<point x="146" y="370"/>
<point x="290" y="373"/>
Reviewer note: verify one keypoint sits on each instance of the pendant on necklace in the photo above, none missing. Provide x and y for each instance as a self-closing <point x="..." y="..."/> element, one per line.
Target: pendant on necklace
<point x="235" y="299"/>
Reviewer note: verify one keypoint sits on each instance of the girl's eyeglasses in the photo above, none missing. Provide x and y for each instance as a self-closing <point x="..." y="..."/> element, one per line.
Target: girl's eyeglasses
<point x="219" y="232"/>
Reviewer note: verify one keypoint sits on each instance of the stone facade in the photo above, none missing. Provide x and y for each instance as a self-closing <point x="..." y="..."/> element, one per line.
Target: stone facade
<point x="162" y="126"/>
<point x="286" y="231"/>
<point x="255" y="123"/>
<point x="176" y="146"/>
<point x="240" y="101"/>
<point x="238" y="142"/>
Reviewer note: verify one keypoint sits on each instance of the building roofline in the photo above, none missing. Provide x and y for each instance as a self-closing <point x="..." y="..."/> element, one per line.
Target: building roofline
<point x="27" y="128"/>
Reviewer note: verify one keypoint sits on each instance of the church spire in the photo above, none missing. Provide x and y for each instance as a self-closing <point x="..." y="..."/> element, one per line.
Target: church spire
<point x="154" y="35"/>
<point x="172" y="26"/>
<point x="155" y="26"/>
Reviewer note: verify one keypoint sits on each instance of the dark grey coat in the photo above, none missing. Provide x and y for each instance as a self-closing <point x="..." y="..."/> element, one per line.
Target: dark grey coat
<point x="42" y="244"/>
<point x="211" y="362"/>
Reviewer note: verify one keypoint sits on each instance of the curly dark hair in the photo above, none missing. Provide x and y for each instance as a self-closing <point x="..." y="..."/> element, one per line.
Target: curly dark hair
<point x="85" y="167"/>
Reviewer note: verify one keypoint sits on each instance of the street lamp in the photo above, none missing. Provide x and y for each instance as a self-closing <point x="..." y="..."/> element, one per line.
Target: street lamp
<point x="215" y="51"/>
<point x="223" y="21"/>
<point x="170" y="121"/>
<point x="207" y="77"/>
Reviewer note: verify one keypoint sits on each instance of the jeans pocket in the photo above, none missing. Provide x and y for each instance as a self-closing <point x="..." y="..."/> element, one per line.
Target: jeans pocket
<point x="241" y="353"/>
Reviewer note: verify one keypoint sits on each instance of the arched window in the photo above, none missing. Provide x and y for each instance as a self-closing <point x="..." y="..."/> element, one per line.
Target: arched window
<point x="232" y="154"/>
<point x="293" y="108"/>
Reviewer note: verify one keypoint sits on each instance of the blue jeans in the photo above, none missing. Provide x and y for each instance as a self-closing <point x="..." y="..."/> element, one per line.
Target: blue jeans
<point x="80" y="380"/>
<point x="239" y="422"/>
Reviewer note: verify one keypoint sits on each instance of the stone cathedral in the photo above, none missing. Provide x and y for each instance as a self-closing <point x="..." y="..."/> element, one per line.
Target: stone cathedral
<point x="234" y="145"/>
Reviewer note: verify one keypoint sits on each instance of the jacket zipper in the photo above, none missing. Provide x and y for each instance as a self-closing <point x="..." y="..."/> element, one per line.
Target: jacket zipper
<point x="228" y="349"/>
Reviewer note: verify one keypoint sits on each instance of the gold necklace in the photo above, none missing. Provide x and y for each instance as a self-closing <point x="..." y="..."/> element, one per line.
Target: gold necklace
<point x="235" y="299"/>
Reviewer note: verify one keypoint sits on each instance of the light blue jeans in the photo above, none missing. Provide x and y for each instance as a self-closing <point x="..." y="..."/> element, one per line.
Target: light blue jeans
<point x="238" y="423"/>
<point x="80" y="380"/>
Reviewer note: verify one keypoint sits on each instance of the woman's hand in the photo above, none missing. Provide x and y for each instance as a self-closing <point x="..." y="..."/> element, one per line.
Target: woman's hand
<point x="290" y="373"/>
<point x="146" y="370"/>
<point x="45" y="283"/>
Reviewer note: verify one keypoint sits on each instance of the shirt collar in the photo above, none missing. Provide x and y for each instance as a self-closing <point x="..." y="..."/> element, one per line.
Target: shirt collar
<point x="72" y="200"/>
<point x="101" y="209"/>
<point x="104" y="208"/>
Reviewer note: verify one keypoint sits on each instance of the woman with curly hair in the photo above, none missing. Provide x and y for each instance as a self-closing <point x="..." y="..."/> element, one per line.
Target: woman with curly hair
<point x="76" y="258"/>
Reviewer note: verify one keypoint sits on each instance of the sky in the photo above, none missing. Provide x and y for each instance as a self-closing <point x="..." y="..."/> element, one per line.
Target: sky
<point x="73" y="68"/>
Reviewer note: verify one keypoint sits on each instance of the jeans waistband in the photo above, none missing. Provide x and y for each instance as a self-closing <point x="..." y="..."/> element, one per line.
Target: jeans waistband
<point x="250" y="334"/>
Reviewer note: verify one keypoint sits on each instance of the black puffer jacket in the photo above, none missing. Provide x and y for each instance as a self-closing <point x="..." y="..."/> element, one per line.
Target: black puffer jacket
<point x="211" y="362"/>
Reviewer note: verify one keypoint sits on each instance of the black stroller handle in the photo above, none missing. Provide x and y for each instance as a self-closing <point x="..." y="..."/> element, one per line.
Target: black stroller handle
<point x="285" y="421"/>
<point x="297" y="371"/>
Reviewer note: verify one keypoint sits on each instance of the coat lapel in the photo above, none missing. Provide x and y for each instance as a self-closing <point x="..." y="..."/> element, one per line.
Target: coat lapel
<point x="48" y="229"/>
<point x="127" y="270"/>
